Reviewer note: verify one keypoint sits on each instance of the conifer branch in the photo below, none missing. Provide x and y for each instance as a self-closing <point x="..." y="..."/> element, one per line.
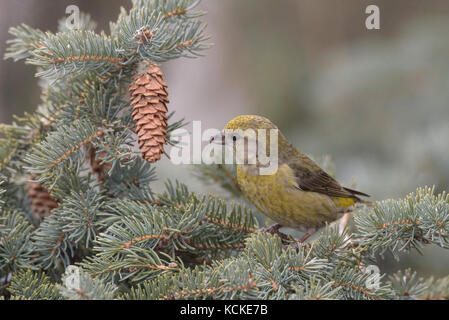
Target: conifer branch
<point x="398" y="225"/>
<point x="29" y="285"/>
<point x="176" y="244"/>
<point x="26" y="41"/>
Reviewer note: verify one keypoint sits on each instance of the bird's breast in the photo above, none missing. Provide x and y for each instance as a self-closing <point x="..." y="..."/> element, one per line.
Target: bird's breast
<point x="278" y="197"/>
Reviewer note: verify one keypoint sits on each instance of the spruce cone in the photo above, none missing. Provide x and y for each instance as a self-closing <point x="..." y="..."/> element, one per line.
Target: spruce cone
<point x="149" y="99"/>
<point x="95" y="164"/>
<point x="41" y="200"/>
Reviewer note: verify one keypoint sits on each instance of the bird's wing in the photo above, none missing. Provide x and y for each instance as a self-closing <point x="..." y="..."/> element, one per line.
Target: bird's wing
<point x="310" y="177"/>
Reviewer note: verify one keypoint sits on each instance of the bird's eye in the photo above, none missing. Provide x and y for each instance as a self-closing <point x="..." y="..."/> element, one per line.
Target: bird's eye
<point x="234" y="138"/>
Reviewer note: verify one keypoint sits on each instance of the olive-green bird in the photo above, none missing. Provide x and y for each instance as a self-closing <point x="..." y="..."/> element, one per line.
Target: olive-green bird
<point x="299" y="194"/>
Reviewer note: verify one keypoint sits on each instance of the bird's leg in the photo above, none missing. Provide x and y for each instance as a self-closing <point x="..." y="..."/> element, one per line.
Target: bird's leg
<point x="274" y="229"/>
<point x="295" y="245"/>
<point x="305" y="237"/>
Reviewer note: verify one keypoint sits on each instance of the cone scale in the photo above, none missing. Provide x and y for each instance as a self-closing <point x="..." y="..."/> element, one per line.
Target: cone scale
<point x="42" y="202"/>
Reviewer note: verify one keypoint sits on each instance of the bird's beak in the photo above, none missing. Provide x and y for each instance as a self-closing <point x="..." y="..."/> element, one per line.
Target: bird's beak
<point x="218" y="139"/>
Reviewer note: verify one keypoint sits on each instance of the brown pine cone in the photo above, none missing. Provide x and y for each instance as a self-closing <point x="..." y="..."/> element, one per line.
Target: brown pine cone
<point x="149" y="99"/>
<point x="96" y="165"/>
<point x="41" y="200"/>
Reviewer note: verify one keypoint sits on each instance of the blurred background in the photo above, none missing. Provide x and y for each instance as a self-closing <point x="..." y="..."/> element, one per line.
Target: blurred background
<point x="376" y="101"/>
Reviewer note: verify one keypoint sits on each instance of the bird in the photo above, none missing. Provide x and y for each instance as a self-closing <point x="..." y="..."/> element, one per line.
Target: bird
<point x="298" y="194"/>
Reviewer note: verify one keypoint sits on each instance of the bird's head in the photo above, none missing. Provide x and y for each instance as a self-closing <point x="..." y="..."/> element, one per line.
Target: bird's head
<point x="245" y="122"/>
<point x="248" y="138"/>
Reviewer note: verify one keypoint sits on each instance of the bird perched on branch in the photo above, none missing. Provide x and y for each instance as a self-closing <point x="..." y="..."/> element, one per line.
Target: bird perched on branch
<point x="284" y="184"/>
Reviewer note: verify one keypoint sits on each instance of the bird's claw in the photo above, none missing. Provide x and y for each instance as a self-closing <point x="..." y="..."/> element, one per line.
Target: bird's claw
<point x="295" y="245"/>
<point x="274" y="229"/>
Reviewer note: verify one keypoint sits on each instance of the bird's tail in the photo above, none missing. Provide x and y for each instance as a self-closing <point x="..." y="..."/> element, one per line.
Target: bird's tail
<point x="355" y="192"/>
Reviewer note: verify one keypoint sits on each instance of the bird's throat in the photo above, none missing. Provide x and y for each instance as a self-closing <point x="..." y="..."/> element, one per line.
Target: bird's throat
<point x="250" y="169"/>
